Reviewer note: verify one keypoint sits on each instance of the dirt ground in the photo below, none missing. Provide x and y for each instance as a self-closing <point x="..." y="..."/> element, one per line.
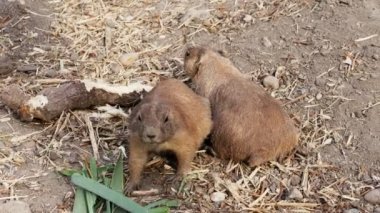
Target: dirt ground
<point x="335" y="101"/>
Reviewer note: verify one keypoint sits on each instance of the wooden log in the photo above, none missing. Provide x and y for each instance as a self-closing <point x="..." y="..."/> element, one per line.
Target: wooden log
<point x="71" y="95"/>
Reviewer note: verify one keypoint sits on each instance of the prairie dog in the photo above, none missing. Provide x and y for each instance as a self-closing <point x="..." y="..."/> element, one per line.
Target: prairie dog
<point x="172" y="118"/>
<point x="249" y="125"/>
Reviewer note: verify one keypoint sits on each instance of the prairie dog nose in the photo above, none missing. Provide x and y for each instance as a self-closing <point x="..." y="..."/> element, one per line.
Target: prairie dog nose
<point x="151" y="133"/>
<point x="151" y="136"/>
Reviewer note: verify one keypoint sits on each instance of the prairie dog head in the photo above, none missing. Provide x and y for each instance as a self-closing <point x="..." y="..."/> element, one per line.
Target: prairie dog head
<point x="154" y="123"/>
<point x="208" y="69"/>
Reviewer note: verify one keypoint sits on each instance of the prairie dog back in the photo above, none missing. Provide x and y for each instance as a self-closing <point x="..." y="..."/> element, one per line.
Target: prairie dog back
<point x="249" y="125"/>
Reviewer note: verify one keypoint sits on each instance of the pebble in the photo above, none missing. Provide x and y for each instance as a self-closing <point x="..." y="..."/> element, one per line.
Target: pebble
<point x="54" y="155"/>
<point x="295" y="194"/>
<point x="376" y="57"/>
<point x="373" y="196"/>
<point x="15" y="206"/>
<point x="128" y="59"/>
<point x="351" y="211"/>
<point x="27" y="68"/>
<point x="280" y="70"/>
<point x="320" y="82"/>
<point x="6" y="65"/>
<point x="218" y="197"/>
<point x="377" y="210"/>
<point x="195" y="13"/>
<point x="248" y="18"/>
<point x="49" y="73"/>
<point x="266" y="42"/>
<point x="271" y="82"/>
<point x="295" y="180"/>
<point x="110" y="22"/>
<point x="318" y="96"/>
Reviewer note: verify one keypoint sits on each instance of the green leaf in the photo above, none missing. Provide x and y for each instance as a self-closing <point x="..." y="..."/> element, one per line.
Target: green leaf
<point x="104" y="169"/>
<point x="80" y="205"/>
<point x="108" y="207"/>
<point x="117" y="182"/>
<point x="159" y="210"/>
<point x="93" y="169"/>
<point x="163" y="202"/>
<point x="107" y="181"/>
<point x="107" y="194"/>
<point x="68" y="172"/>
<point x="91" y="200"/>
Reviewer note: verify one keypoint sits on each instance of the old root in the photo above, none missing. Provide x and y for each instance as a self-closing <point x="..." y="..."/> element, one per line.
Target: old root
<point x="70" y="95"/>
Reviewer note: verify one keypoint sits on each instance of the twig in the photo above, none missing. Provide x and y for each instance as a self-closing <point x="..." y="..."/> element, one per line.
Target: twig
<point x="91" y="133"/>
<point x="366" y="38"/>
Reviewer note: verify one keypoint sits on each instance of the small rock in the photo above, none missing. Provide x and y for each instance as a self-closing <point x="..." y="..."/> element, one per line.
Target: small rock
<point x="194" y="14"/>
<point x="318" y="96"/>
<point x="128" y="59"/>
<point x="320" y="82"/>
<point x="116" y="68"/>
<point x="248" y="18"/>
<point x="337" y="137"/>
<point x="377" y="210"/>
<point x="295" y="180"/>
<point x="347" y="61"/>
<point x="49" y="73"/>
<point x="295" y="194"/>
<point x="280" y="71"/>
<point x="351" y="211"/>
<point x="376" y="57"/>
<point x="219" y="14"/>
<point x="266" y="42"/>
<point x="27" y="68"/>
<point x="6" y="65"/>
<point x="15" y="206"/>
<point x="54" y="155"/>
<point x="110" y="22"/>
<point x="218" y="197"/>
<point x="271" y="82"/>
<point x="373" y="196"/>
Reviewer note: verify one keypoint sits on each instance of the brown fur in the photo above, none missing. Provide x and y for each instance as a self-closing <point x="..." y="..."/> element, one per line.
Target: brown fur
<point x="249" y="125"/>
<point x="178" y="119"/>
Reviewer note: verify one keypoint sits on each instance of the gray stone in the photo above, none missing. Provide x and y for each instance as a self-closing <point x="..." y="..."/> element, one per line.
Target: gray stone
<point x="373" y="196"/>
<point x="218" y="197"/>
<point x="266" y="42"/>
<point x="248" y="18"/>
<point x="376" y="57"/>
<point x="351" y="211"/>
<point x="271" y="82"/>
<point x="295" y="180"/>
<point x="295" y="194"/>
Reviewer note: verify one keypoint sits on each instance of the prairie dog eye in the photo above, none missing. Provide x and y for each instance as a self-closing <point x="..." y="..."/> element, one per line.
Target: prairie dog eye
<point x="166" y="119"/>
<point x="139" y="118"/>
<point x="187" y="53"/>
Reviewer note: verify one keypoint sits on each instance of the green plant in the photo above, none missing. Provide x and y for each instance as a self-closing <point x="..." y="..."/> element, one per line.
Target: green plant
<point x="96" y="191"/>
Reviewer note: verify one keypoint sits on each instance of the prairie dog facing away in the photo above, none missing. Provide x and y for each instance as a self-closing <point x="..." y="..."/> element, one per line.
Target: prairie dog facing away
<point x="248" y="124"/>
<point x="170" y="118"/>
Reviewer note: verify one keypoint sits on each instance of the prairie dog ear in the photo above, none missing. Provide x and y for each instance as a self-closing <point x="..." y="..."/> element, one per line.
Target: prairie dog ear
<point x="193" y="59"/>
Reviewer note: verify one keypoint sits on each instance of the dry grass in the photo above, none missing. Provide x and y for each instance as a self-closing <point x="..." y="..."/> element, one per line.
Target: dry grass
<point x="98" y="33"/>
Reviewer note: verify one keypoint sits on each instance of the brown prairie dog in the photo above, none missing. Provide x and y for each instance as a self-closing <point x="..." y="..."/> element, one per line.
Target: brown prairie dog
<point x="249" y="125"/>
<point x="169" y="118"/>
